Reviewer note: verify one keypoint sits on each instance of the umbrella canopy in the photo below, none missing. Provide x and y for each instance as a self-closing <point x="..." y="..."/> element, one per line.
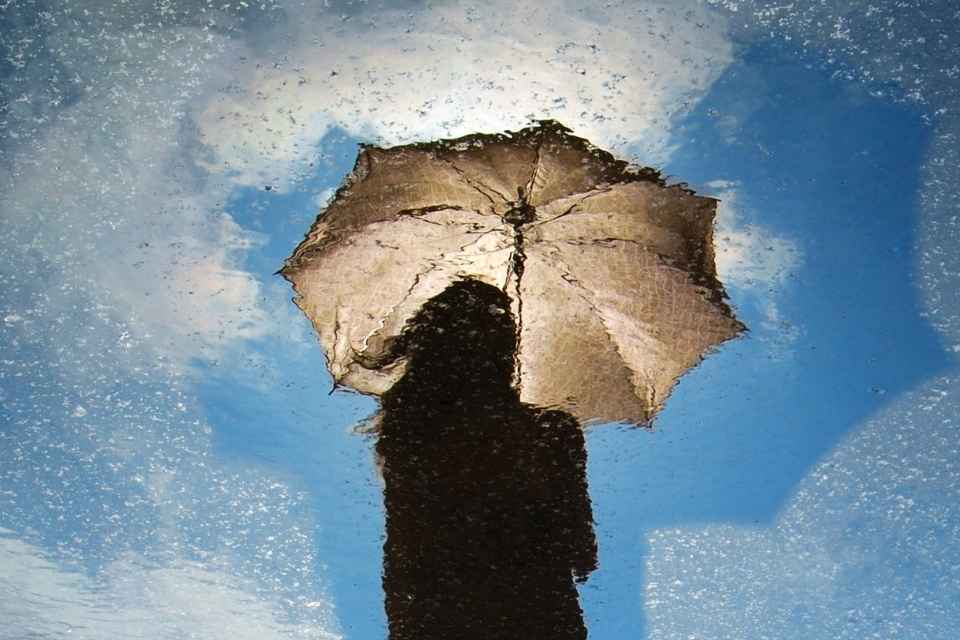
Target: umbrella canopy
<point x="610" y="272"/>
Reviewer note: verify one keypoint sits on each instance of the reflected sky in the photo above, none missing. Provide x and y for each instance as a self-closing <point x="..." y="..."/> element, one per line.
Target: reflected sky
<point x="172" y="460"/>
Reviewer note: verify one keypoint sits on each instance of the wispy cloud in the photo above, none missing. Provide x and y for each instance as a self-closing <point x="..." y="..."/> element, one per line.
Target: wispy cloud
<point x="102" y="206"/>
<point x="749" y="256"/>
<point x="755" y="264"/>
<point x="141" y="599"/>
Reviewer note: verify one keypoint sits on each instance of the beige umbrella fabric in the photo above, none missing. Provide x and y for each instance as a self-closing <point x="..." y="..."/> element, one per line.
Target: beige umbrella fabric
<point x="610" y="273"/>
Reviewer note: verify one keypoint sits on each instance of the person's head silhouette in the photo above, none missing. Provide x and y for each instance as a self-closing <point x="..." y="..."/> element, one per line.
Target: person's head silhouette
<point x="462" y="342"/>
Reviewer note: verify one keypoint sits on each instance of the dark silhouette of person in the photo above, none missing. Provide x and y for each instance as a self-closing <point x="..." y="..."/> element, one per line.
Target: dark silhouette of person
<point x="488" y="517"/>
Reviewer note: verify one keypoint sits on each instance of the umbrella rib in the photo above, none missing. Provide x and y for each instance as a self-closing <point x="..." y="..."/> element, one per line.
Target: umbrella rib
<point x="606" y="242"/>
<point x="566" y="212"/>
<point x="572" y="207"/>
<point x="336" y="341"/>
<point x="714" y="289"/>
<point x="517" y="259"/>
<point x="478" y="239"/>
<point x="421" y="211"/>
<point x="583" y="293"/>
<point x="474" y="185"/>
<point x="370" y="363"/>
<point x="528" y="190"/>
<point x="434" y="265"/>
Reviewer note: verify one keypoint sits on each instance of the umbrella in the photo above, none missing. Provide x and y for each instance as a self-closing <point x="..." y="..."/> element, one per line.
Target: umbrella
<point x="610" y="272"/>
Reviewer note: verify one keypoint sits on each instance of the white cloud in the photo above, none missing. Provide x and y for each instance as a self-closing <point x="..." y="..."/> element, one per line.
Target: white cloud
<point x="139" y="599"/>
<point x="616" y="75"/>
<point x="103" y="211"/>
<point x="754" y="264"/>
<point x="186" y="289"/>
<point x="868" y="547"/>
<point x="125" y="482"/>
<point x="749" y="256"/>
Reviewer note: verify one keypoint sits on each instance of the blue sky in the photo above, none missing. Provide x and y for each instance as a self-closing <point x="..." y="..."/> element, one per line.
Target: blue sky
<point x="170" y="442"/>
<point x="741" y="431"/>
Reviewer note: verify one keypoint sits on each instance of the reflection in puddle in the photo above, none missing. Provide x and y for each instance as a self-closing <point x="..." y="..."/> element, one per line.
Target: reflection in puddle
<point x="607" y="293"/>
<point x="133" y="250"/>
<point x="488" y="516"/>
